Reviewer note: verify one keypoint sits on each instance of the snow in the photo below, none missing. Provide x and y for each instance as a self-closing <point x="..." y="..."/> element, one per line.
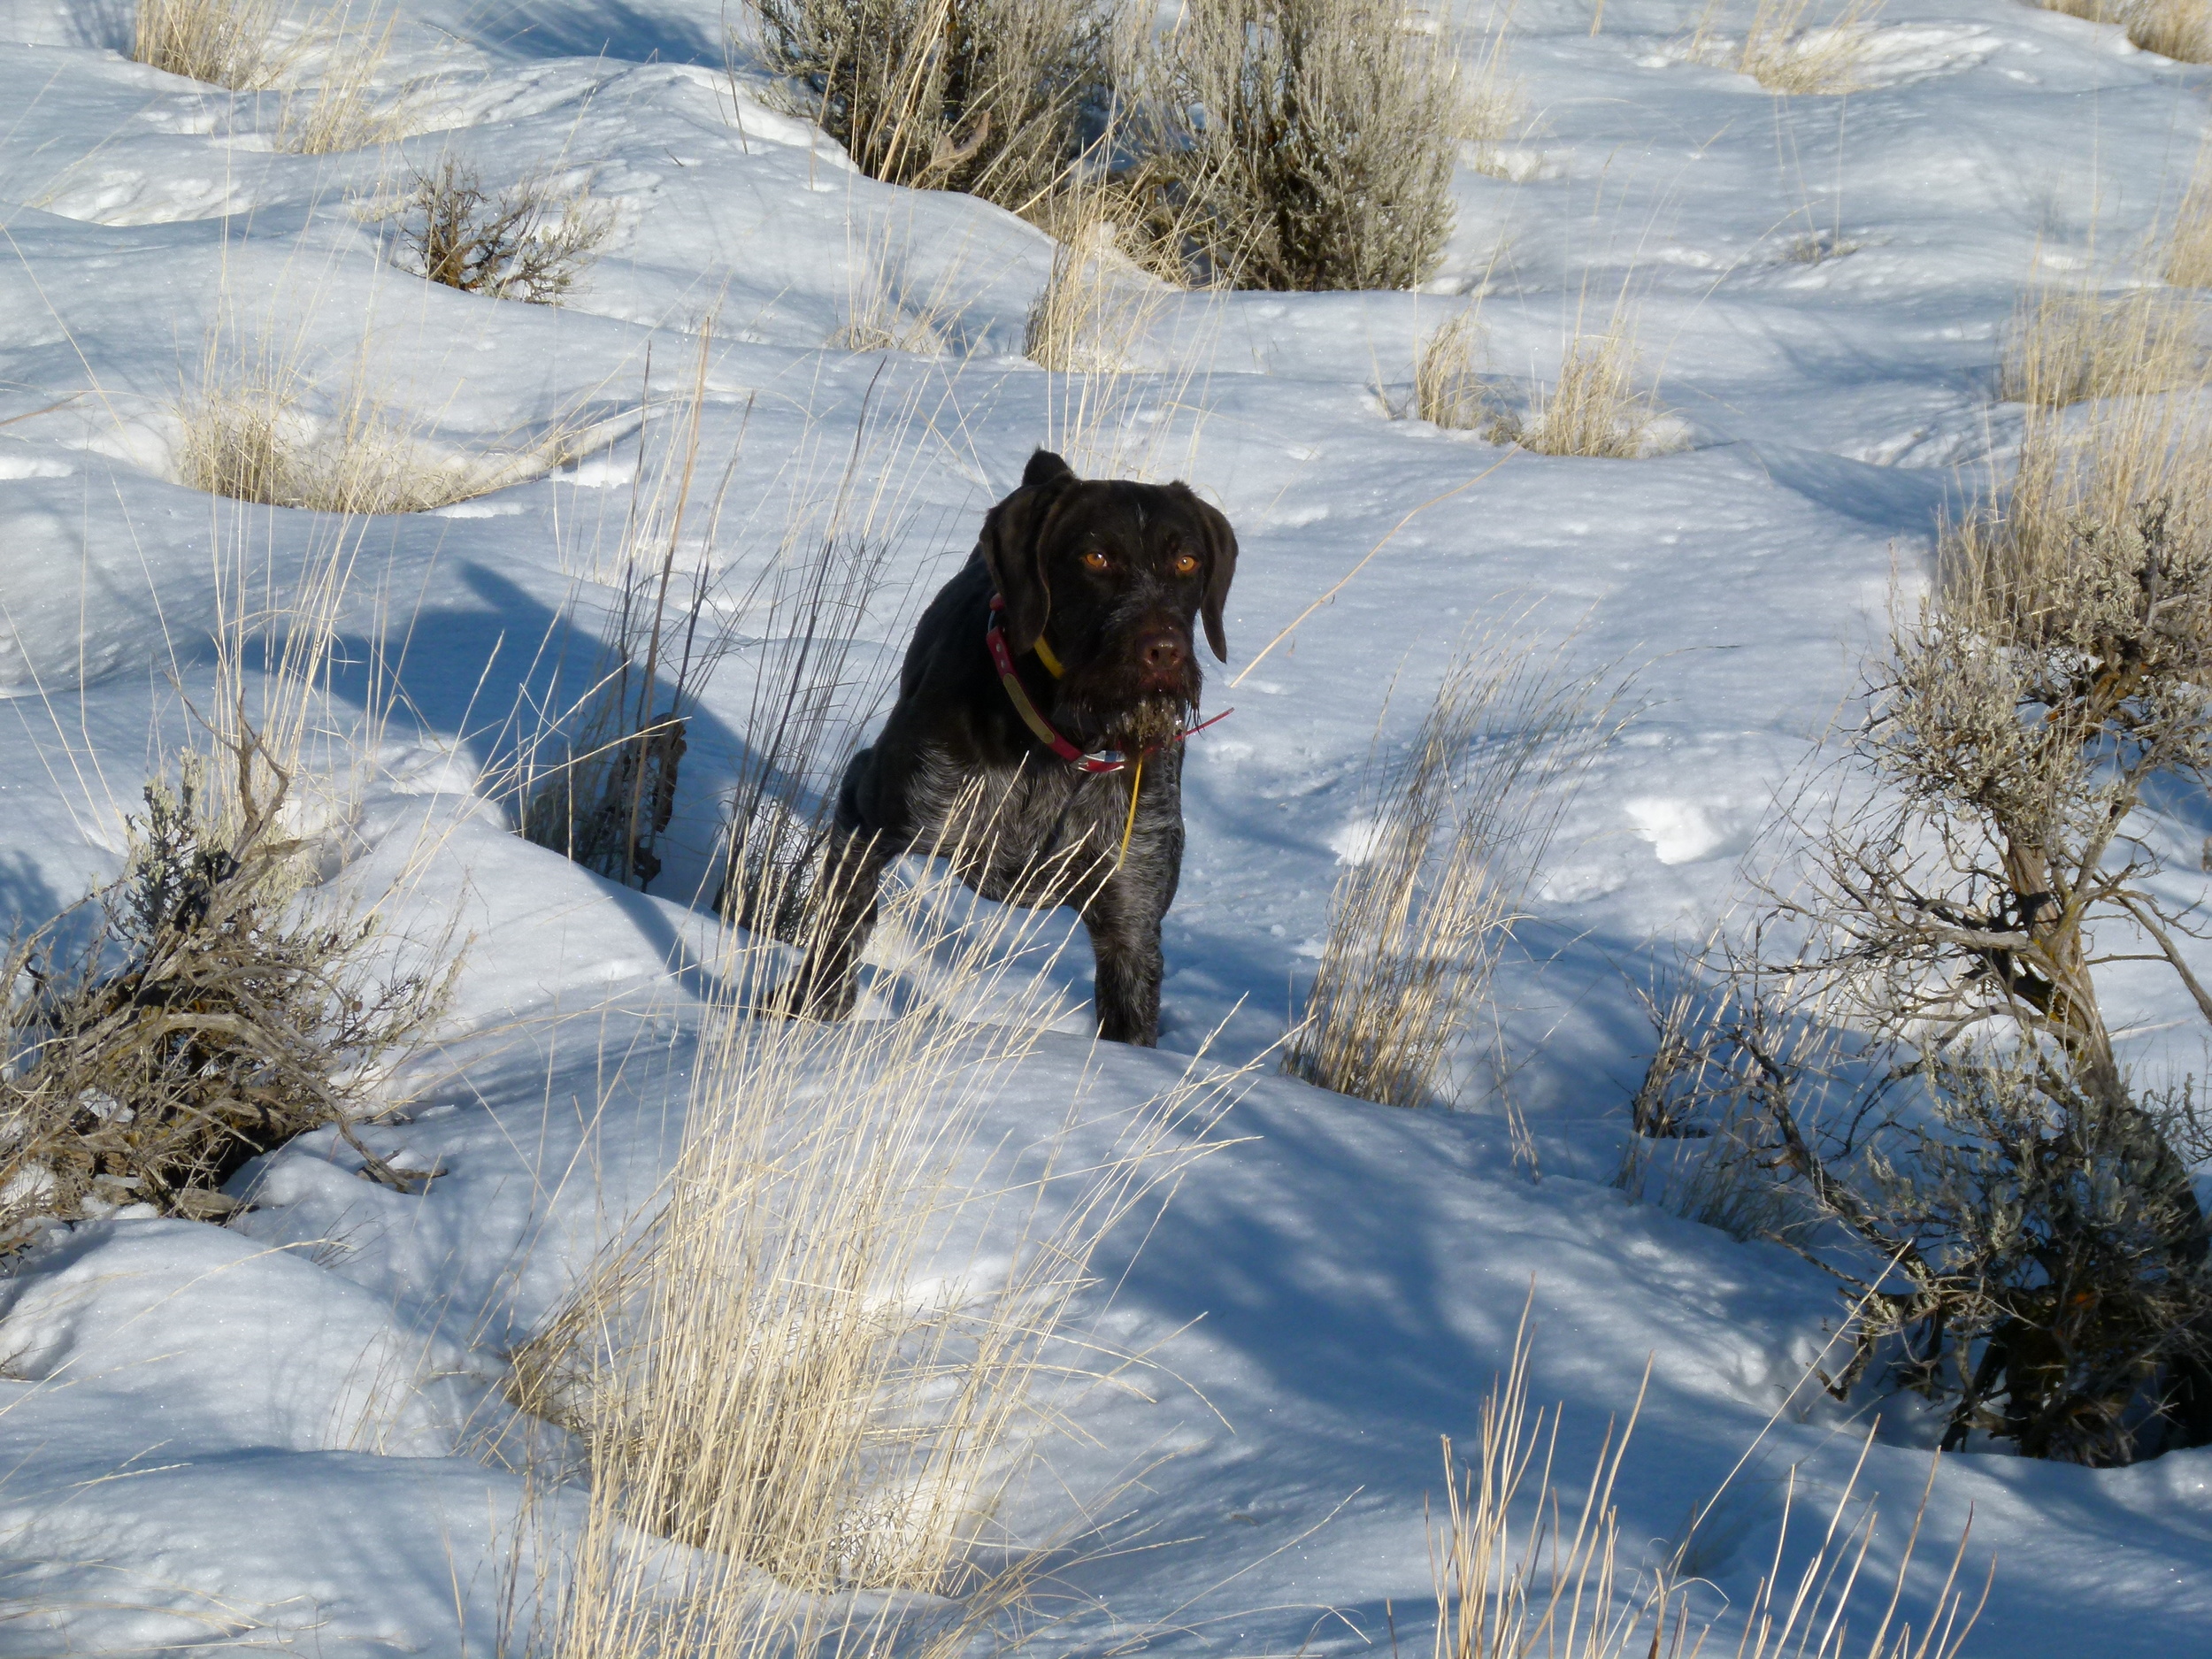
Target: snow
<point x="271" y="1433"/>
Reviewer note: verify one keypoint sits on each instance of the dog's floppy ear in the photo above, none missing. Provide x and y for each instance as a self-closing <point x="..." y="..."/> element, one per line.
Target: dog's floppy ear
<point x="1221" y="568"/>
<point x="1013" y="532"/>
<point x="1045" y="468"/>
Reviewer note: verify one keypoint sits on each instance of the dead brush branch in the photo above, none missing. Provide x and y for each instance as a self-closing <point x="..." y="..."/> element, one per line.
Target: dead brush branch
<point x="987" y="97"/>
<point x="527" y="241"/>
<point x="211" y="1015"/>
<point x="2073" y="346"/>
<point x="1304" y="144"/>
<point x="1452" y="832"/>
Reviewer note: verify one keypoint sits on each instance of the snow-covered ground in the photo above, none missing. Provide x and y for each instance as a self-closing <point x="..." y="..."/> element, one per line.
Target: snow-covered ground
<point x="257" y="1433"/>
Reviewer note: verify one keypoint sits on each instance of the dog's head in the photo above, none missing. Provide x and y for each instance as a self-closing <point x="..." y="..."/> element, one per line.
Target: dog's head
<point x="1111" y="575"/>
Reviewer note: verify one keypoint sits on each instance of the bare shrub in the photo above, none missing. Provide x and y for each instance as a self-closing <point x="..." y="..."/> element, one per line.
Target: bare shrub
<point x="2074" y="345"/>
<point x="527" y="242"/>
<point x="1593" y="408"/>
<point x="228" y="43"/>
<point x="1304" y="144"/>
<point x="1452" y="831"/>
<point x="208" y="1015"/>
<point x="2033" y="1256"/>
<point x="1521" y="1570"/>
<point x="810" y="1357"/>
<point x="987" y="97"/>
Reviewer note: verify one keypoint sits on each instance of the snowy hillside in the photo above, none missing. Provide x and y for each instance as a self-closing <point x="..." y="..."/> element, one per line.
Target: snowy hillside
<point x="270" y="1434"/>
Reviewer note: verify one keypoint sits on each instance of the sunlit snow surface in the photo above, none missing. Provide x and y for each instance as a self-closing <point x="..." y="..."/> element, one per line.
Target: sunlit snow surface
<point x="260" y="1433"/>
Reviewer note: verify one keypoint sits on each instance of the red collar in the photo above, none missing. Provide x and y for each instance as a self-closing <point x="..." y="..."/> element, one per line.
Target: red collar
<point x="1097" y="761"/>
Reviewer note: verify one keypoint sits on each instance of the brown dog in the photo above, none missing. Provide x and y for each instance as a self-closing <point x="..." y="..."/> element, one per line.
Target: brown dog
<point x="1058" y="658"/>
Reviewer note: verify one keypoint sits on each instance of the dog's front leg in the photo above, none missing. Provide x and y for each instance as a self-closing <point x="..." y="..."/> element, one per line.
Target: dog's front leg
<point x="1123" y="918"/>
<point x="840" y="917"/>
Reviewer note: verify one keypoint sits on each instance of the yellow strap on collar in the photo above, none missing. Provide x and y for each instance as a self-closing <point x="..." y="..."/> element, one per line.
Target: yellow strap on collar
<point x="1044" y="656"/>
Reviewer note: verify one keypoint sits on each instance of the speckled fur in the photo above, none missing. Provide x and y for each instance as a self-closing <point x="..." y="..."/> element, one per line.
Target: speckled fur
<point x="1036" y="830"/>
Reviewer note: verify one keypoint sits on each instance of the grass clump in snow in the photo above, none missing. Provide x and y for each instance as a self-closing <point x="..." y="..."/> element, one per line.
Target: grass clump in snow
<point x="208" y="1015"/>
<point x="986" y="96"/>
<point x="811" y="1356"/>
<point x="1100" y="300"/>
<point x="1449" y="389"/>
<point x="2178" y="29"/>
<point x="2187" y="259"/>
<point x="1493" y="104"/>
<point x="2074" y="345"/>
<point x="228" y="43"/>
<point x="1593" y="408"/>
<point x="1520" y="1573"/>
<point x="1783" y="55"/>
<point x="1304" y="144"/>
<point x="1453" y="830"/>
<point x="344" y="109"/>
<point x="528" y="242"/>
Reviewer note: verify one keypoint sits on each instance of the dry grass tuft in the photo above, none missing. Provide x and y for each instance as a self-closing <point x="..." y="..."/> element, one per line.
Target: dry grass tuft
<point x="226" y="42"/>
<point x="527" y="242"/>
<point x="1552" y="1582"/>
<point x="812" y="1358"/>
<point x="344" y="111"/>
<point x="2187" y="261"/>
<point x="1493" y="104"/>
<point x="2178" y="29"/>
<point x="1783" y="55"/>
<point x="1099" y="301"/>
<point x="1304" y="144"/>
<point x="2075" y="345"/>
<point x="249" y="439"/>
<point x="1593" y="408"/>
<point x="1447" y="385"/>
<point x="1423" y="913"/>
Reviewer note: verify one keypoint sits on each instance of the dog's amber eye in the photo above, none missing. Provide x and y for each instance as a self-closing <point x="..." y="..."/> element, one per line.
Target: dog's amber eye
<point x="1096" y="560"/>
<point x="1186" y="565"/>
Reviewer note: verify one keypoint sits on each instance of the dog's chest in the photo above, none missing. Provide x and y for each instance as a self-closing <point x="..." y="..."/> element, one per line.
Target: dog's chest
<point x="1031" y="833"/>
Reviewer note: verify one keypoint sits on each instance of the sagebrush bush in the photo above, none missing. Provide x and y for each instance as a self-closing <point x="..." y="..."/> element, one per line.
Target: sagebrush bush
<point x="1304" y="144"/>
<point x="209" y="1013"/>
<point x="988" y="97"/>
<point x="2035" y="1255"/>
<point x="524" y="242"/>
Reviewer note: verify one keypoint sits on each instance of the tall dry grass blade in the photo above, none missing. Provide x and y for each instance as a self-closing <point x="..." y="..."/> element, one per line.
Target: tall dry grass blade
<point x="1453" y="831"/>
<point x="2074" y="345"/>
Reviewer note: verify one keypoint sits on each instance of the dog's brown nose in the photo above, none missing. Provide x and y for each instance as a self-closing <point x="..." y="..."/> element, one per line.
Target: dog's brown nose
<point x="1162" y="653"/>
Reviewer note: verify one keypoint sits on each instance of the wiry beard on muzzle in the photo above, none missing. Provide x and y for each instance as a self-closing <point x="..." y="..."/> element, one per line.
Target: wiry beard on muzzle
<point x="1151" y="721"/>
